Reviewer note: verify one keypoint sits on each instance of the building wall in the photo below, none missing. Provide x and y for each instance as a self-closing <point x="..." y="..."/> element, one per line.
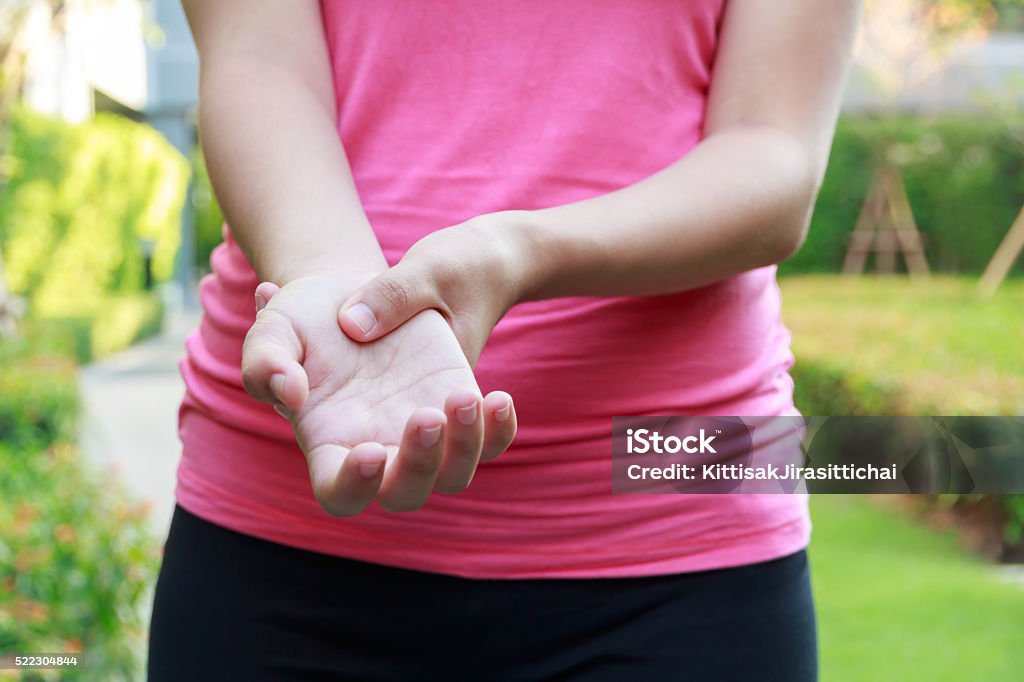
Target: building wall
<point x="101" y="47"/>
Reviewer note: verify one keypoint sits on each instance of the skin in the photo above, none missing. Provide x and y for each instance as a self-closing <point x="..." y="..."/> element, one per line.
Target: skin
<point x="266" y="95"/>
<point x="363" y="358"/>
<point x="371" y="390"/>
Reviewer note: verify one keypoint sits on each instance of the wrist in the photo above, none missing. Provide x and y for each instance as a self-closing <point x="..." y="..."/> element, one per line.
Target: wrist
<point x="337" y="268"/>
<point x="351" y="277"/>
<point x="517" y="252"/>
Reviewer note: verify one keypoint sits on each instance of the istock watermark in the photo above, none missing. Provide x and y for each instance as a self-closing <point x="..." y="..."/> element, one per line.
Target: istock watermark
<point x="641" y="441"/>
<point x="792" y="454"/>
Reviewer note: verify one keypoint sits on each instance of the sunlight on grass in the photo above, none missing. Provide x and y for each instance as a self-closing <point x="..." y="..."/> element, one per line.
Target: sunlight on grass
<point x="948" y="350"/>
<point x="900" y="602"/>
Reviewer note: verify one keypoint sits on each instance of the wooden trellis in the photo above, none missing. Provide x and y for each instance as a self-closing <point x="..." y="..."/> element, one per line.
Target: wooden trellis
<point x="886" y="228"/>
<point x="1009" y="249"/>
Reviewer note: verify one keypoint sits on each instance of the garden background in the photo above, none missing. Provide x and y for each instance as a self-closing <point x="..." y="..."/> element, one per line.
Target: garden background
<point x="105" y="224"/>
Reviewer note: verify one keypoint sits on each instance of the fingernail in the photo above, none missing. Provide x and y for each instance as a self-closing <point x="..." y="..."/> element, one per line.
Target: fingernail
<point x="361" y="314"/>
<point x="429" y="437"/>
<point x="370" y="469"/>
<point x="502" y="414"/>
<point x="261" y="302"/>
<point x="467" y="414"/>
<point x="277" y="386"/>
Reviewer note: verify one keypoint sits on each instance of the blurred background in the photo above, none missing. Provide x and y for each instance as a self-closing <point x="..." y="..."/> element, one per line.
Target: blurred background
<point x="908" y="299"/>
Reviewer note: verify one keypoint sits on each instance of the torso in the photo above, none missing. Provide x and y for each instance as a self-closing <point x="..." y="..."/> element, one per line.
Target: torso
<point x="451" y="109"/>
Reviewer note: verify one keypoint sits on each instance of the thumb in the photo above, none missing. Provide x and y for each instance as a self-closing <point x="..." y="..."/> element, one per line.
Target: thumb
<point x="385" y="303"/>
<point x="271" y="355"/>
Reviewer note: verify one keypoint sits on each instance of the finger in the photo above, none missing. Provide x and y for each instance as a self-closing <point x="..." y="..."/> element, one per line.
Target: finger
<point x="410" y="478"/>
<point x="264" y="292"/>
<point x="499" y="424"/>
<point x="385" y="302"/>
<point x="271" y="357"/>
<point x="345" y="481"/>
<point x="463" y="440"/>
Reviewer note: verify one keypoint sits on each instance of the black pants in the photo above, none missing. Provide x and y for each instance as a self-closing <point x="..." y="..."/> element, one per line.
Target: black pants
<point x="233" y="607"/>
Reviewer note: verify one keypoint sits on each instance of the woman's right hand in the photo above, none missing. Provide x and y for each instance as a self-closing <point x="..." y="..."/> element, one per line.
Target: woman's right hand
<point x="389" y="420"/>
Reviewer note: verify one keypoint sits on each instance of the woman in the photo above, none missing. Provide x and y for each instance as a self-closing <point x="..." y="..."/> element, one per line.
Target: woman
<point x="576" y="204"/>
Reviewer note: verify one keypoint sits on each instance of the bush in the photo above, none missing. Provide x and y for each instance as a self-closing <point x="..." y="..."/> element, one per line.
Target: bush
<point x="964" y="178"/>
<point x="115" y="323"/>
<point x="76" y="559"/>
<point x="107" y="327"/>
<point x="833" y="390"/>
<point x="208" y="216"/>
<point x="830" y="390"/>
<point x="38" y="403"/>
<point x="80" y="202"/>
<point x="123" y="320"/>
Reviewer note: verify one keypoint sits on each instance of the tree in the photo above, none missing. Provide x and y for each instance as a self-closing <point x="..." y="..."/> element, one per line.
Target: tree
<point x="902" y="43"/>
<point x="15" y="17"/>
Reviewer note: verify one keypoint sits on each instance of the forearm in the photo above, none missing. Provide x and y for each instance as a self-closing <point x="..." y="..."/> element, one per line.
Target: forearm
<point x="280" y="172"/>
<point x="739" y="200"/>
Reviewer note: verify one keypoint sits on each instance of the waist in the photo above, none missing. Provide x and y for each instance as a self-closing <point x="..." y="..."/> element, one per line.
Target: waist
<point x="541" y="511"/>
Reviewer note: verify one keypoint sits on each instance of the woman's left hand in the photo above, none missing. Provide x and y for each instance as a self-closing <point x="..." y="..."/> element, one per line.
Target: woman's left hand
<point x="471" y="273"/>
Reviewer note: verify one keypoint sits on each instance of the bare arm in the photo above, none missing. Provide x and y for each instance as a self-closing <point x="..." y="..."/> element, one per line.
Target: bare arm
<point x="740" y="199"/>
<point x="267" y="124"/>
<point x="391" y="421"/>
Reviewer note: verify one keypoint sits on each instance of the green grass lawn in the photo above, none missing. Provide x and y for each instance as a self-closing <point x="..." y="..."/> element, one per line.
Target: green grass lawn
<point x="897" y="601"/>
<point x="943" y="348"/>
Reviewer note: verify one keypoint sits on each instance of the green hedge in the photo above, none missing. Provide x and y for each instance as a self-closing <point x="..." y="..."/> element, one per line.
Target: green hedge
<point x="110" y="325"/>
<point x="208" y="216"/>
<point x="832" y="390"/>
<point x="829" y="390"/>
<point x="79" y="201"/>
<point x="38" y="401"/>
<point x="76" y="556"/>
<point x="964" y="178"/>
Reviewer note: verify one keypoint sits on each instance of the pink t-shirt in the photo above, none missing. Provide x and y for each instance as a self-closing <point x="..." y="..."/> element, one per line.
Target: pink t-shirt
<point x="451" y="109"/>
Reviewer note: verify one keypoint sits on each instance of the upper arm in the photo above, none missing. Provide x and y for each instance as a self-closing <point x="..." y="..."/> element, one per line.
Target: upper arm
<point x="782" y="65"/>
<point x="278" y="34"/>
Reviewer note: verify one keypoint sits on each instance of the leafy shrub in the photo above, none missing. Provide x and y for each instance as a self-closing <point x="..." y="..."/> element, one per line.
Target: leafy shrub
<point x="38" y="403"/>
<point x="76" y="559"/>
<point x="80" y="202"/>
<point x="116" y="323"/>
<point x="113" y="324"/>
<point x="1014" y="530"/>
<point x="827" y="390"/>
<point x="207" y="213"/>
<point x="964" y="179"/>
<point x="122" y="320"/>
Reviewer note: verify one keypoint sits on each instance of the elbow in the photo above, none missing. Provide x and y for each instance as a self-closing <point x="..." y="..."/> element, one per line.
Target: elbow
<point x="790" y="235"/>
<point x="799" y="181"/>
